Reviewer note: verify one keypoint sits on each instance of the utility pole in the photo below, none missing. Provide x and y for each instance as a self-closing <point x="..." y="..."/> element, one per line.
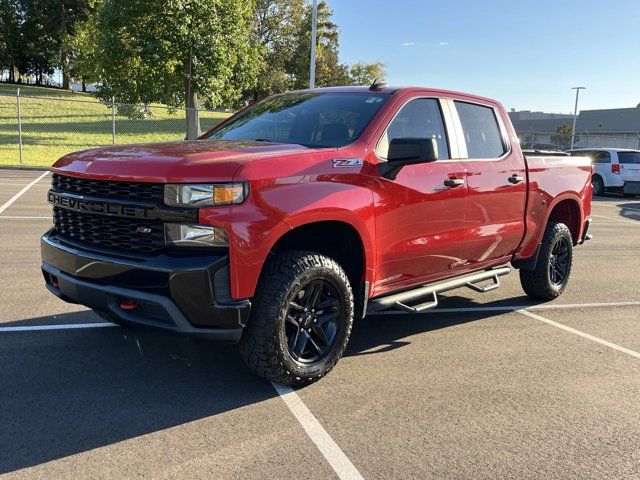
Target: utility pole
<point x="575" y="114"/>
<point x="314" y="28"/>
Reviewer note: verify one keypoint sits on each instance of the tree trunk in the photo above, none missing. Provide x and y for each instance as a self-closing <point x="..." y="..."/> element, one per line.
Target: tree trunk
<point x="84" y="84"/>
<point x="66" y="80"/>
<point x="192" y="115"/>
<point x="191" y="101"/>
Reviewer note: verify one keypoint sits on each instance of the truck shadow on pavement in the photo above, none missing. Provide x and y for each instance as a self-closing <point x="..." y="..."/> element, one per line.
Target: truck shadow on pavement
<point x="630" y="210"/>
<point x="382" y="333"/>
<point x="69" y="391"/>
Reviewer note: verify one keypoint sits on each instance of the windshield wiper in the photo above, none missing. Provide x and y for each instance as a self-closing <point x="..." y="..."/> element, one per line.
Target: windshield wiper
<point x="262" y="140"/>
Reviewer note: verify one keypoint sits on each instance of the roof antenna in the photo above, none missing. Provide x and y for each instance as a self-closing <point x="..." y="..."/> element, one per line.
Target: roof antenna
<point x="378" y="85"/>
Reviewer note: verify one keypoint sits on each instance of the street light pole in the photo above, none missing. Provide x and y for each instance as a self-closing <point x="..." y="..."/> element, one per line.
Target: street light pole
<point x="314" y="28"/>
<point x="575" y="114"/>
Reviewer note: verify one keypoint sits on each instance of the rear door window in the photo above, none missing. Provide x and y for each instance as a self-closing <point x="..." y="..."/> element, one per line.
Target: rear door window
<point x="629" y="157"/>
<point x="481" y="130"/>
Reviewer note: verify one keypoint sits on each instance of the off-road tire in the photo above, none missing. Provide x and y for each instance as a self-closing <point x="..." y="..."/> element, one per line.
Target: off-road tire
<point x="263" y="345"/>
<point x="597" y="184"/>
<point x="537" y="283"/>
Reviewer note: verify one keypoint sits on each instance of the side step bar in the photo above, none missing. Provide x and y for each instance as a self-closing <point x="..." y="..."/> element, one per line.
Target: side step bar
<point x="400" y="301"/>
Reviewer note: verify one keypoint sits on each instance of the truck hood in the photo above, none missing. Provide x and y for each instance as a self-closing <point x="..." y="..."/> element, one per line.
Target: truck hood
<point x="189" y="161"/>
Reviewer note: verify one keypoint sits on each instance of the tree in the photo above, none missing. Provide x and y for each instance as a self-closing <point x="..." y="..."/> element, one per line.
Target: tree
<point x="68" y="15"/>
<point x="10" y="36"/>
<point x="178" y="52"/>
<point x="363" y="73"/>
<point x="277" y="24"/>
<point x="85" y="64"/>
<point x="36" y="34"/>
<point x="562" y="138"/>
<point x="329" y="70"/>
<point x="39" y="46"/>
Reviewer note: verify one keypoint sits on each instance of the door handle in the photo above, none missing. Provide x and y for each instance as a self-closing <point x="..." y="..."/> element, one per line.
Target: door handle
<point x="515" y="178"/>
<point x="453" y="182"/>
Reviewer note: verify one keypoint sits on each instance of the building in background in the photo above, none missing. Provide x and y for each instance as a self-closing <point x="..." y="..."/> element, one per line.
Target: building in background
<point x="613" y="128"/>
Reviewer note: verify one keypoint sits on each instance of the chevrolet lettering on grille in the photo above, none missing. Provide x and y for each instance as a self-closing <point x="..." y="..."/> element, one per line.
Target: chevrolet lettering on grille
<point x="99" y="207"/>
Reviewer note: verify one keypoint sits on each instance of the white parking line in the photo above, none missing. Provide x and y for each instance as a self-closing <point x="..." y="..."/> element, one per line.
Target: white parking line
<point x="633" y="222"/>
<point x="69" y="326"/>
<point x="21" y="192"/>
<point x="606" y="343"/>
<point x="314" y="429"/>
<point x="329" y="449"/>
<point x="17" y="217"/>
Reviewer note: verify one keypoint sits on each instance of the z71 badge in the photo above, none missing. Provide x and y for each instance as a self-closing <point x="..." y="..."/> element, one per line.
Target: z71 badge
<point x="347" y="162"/>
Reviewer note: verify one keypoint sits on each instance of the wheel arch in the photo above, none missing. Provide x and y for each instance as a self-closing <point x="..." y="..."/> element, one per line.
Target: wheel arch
<point x="334" y="238"/>
<point x="568" y="210"/>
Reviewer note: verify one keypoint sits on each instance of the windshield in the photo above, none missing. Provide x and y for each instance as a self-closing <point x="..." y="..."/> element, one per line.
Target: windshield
<point x="310" y="119"/>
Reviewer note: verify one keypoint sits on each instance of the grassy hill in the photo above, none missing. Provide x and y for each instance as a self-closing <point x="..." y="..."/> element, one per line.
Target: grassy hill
<point x="56" y="122"/>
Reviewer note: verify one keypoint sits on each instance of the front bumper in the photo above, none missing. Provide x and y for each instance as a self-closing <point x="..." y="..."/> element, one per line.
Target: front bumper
<point x="172" y="292"/>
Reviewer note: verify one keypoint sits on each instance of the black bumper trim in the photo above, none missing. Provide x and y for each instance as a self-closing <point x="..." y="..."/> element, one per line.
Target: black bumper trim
<point x="191" y="282"/>
<point x="108" y="298"/>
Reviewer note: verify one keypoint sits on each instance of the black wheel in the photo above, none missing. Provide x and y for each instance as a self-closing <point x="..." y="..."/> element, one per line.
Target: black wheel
<point x="598" y="185"/>
<point x="551" y="275"/>
<point x="300" y="320"/>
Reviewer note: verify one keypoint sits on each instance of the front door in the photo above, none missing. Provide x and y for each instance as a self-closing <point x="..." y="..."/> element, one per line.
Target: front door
<point x="420" y="215"/>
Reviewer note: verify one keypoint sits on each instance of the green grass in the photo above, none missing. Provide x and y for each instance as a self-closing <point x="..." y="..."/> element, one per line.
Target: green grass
<point x="55" y="122"/>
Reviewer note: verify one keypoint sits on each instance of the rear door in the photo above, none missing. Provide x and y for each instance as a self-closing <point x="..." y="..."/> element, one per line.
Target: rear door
<point x="629" y="165"/>
<point x="496" y="182"/>
<point x="420" y="214"/>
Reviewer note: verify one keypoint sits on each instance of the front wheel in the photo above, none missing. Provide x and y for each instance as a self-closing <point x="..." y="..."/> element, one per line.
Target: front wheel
<point x="551" y="275"/>
<point x="301" y="319"/>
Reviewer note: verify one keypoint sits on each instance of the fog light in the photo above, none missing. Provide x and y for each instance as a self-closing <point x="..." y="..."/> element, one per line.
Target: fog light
<point x="195" y="235"/>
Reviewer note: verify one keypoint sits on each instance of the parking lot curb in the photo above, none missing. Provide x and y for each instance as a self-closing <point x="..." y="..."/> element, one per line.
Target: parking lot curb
<point x="22" y="167"/>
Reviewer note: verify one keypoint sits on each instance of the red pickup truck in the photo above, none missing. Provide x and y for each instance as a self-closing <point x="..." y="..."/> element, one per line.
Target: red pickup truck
<point x="300" y="214"/>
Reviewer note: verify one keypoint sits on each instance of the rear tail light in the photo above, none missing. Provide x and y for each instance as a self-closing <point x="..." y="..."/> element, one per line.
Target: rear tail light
<point x="615" y="168"/>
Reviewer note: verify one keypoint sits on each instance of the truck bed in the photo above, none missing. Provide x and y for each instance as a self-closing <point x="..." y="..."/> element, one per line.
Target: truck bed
<point x="552" y="180"/>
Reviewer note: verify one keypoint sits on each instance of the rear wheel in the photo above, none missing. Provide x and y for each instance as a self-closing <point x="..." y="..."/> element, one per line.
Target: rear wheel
<point x="551" y="275"/>
<point x="598" y="185"/>
<point x="301" y="319"/>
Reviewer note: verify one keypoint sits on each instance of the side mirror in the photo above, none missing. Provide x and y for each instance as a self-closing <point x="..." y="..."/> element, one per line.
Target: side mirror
<point x="408" y="151"/>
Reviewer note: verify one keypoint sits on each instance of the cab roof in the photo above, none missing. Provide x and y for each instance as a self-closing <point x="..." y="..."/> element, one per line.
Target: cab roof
<point x="389" y="89"/>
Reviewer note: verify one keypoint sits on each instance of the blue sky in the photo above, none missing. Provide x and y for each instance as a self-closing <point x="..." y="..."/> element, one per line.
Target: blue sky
<point x="527" y="54"/>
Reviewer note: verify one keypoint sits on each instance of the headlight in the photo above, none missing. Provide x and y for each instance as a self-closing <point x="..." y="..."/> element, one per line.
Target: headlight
<point x="195" y="235"/>
<point x="205" y="195"/>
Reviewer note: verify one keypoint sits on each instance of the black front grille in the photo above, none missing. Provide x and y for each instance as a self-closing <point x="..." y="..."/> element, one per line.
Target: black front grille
<point x="110" y="232"/>
<point x="136" y="191"/>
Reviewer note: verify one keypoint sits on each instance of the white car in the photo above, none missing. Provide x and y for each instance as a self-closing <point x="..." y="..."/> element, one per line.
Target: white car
<point x="616" y="169"/>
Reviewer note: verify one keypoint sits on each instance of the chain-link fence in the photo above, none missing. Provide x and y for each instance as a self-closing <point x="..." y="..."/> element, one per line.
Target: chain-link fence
<point x="38" y="126"/>
<point x="562" y="141"/>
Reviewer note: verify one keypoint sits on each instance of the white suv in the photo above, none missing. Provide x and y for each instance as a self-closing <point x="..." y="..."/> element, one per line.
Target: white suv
<point x="616" y="169"/>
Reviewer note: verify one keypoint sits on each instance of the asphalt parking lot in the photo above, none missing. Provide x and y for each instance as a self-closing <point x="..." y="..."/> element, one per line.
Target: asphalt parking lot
<point x="474" y="389"/>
